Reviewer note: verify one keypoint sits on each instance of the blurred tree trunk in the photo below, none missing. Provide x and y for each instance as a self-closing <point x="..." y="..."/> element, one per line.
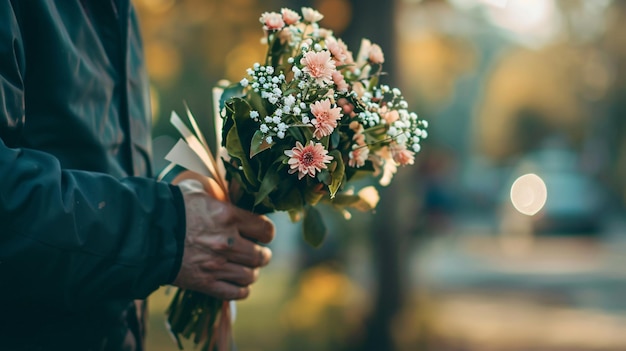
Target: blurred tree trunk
<point x="374" y="20"/>
<point x="390" y="233"/>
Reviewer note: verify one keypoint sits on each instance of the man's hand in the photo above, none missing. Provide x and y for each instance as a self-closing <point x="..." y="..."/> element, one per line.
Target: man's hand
<point x="220" y="257"/>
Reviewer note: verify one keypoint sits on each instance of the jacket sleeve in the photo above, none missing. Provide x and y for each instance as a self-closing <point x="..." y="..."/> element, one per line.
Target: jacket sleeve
<point x="73" y="238"/>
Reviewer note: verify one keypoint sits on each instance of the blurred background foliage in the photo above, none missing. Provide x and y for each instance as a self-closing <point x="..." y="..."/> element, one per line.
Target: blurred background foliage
<point x="445" y="263"/>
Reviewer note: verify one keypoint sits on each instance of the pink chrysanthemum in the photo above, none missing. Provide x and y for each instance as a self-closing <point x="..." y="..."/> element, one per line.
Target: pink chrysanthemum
<point x="326" y="118"/>
<point x="311" y="15"/>
<point x="337" y="50"/>
<point x="401" y="155"/>
<point x="306" y="160"/>
<point x="272" y="21"/>
<point x="289" y="16"/>
<point x="319" y="65"/>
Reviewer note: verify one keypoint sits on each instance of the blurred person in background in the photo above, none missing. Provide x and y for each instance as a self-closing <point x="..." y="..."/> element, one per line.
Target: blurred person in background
<point x="84" y="229"/>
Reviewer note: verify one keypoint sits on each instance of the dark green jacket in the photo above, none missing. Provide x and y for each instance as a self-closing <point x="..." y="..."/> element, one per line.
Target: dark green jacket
<point x="84" y="230"/>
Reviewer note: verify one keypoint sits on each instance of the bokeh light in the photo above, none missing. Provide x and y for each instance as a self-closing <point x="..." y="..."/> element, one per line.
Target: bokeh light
<point x="529" y="194"/>
<point x="533" y="22"/>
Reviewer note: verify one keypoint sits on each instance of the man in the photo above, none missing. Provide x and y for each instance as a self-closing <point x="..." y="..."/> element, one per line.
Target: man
<point x="84" y="229"/>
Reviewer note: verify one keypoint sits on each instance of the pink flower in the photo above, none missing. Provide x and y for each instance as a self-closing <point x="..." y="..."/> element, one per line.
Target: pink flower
<point x="311" y="15"/>
<point x="375" y="54"/>
<point x="340" y="82"/>
<point x="289" y="16"/>
<point x="326" y="118"/>
<point x="335" y="49"/>
<point x="389" y="116"/>
<point x="319" y="65"/>
<point x="384" y="166"/>
<point x="306" y="160"/>
<point x="323" y="33"/>
<point x="359" y="138"/>
<point x="349" y="59"/>
<point x="358" y="156"/>
<point x="401" y="155"/>
<point x="272" y="21"/>
<point x="339" y="51"/>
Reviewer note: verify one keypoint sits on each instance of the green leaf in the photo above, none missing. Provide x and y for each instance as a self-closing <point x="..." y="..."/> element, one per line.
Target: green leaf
<point x="324" y="176"/>
<point x="340" y="67"/>
<point x="332" y="166"/>
<point x="225" y="104"/>
<point x="345" y="200"/>
<point x="337" y="175"/>
<point x="335" y="137"/>
<point x="276" y="50"/>
<point x="352" y="201"/>
<point x="258" y="144"/>
<point x="312" y="197"/>
<point x="241" y="132"/>
<point x="287" y="197"/>
<point x="235" y="173"/>
<point x="268" y="184"/>
<point x="290" y="91"/>
<point x="283" y="159"/>
<point x="324" y="141"/>
<point x="256" y="103"/>
<point x="235" y="90"/>
<point x="228" y="123"/>
<point x="235" y="149"/>
<point x="313" y="227"/>
<point x="297" y="133"/>
<point x="373" y="82"/>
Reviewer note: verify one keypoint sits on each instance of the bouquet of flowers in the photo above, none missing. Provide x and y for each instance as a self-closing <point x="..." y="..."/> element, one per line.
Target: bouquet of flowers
<point x="296" y="131"/>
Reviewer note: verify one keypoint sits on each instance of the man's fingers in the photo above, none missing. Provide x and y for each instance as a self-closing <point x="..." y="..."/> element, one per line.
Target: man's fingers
<point x="247" y="253"/>
<point x="255" y="227"/>
<point x="237" y="274"/>
<point x="235" y="248"/>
